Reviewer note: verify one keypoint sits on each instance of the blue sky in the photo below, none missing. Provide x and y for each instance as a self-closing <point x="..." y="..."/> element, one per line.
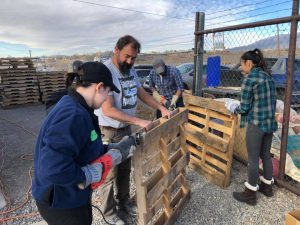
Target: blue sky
<point x="89" y="26"/>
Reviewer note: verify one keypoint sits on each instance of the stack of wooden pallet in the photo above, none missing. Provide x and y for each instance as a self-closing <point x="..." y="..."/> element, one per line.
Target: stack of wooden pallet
<point x="18" y="86"/>
<point x="50" y="82"/>
<point x="15" y="63"/>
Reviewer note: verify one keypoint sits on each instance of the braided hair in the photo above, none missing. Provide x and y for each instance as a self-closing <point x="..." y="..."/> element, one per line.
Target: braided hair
<point x="256" y="56"/>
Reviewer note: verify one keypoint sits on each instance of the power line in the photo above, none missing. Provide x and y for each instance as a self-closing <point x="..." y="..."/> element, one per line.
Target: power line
<point x="238" y="7"/>
<point x="250" y="17"/>
<point x="231" y="14"/>
<point x="178" y="43"/>
<point x="132" y="10"/>
<point x="170" y="37"/>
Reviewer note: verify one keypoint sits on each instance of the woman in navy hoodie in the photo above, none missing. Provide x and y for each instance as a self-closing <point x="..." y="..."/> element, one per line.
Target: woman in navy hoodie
<point x="67" y="147"/>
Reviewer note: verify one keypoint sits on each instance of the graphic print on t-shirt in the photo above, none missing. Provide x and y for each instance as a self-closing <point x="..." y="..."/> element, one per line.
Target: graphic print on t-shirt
<point x="129" y="92"/>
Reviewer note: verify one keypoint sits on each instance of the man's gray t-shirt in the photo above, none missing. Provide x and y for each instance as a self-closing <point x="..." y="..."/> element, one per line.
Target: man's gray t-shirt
<point x="124" y="101"/>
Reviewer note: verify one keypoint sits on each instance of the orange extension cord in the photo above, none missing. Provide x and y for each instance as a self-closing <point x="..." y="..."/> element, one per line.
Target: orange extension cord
<point x="27" y="194"/>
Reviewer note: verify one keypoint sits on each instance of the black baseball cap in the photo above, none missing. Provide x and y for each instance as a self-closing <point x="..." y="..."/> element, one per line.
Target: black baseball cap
<point x="96" y="72"/>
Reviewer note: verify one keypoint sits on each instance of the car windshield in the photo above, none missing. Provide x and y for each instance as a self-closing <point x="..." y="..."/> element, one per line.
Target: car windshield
<point x="185" y="68"/>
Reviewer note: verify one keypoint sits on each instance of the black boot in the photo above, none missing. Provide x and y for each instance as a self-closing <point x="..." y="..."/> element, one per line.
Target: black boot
<point x="248" y="195"/>
<point x="265" y="186"/>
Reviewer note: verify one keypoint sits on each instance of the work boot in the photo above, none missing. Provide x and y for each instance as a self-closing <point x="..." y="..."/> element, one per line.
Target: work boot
<point x="265" y="186"/>
<point x="128" y="206"/>
<point x="114" y="219"/>
<point x="248" y="195"/>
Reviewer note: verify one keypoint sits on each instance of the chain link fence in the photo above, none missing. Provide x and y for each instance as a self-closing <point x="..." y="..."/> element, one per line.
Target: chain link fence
<point x="273" y="41"/>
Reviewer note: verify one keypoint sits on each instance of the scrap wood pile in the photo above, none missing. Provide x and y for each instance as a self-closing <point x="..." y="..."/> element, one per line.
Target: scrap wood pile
<point x="18" y="86"/>
<point x="50" y="82"/>
<point x="8" y="63"/>
<point x="21" y="84"/>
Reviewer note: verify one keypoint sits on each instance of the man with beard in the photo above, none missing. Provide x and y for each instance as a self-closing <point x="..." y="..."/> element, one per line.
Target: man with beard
<point x="115" y="117"/>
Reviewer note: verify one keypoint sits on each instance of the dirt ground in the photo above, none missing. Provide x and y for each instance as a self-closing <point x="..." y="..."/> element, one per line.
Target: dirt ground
<point x="208" y="204"/>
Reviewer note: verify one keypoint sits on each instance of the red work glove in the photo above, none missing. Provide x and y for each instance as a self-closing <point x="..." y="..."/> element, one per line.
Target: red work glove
<point x="106" y="161"/>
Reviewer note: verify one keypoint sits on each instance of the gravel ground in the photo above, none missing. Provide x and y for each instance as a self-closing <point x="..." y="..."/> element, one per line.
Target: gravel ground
<point x="208" y="204"/>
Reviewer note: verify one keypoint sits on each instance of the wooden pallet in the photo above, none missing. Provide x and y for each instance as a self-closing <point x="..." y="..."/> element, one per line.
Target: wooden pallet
<point x="17" y="72"/>
<point x="50" y="82"/>
<point x="10" y="105"/>
<point x="18" y="86"/>
<point x="15" y="63"/>
<point x="159" y="171"/>
<point x="210" y="135"/>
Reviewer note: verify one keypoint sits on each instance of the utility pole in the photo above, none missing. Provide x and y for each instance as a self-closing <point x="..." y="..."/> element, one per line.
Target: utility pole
<point x="278" y="41"/>
<point x="214" y="44"/>
<point x="199" y="50"/>
<point x="223" y="41"/>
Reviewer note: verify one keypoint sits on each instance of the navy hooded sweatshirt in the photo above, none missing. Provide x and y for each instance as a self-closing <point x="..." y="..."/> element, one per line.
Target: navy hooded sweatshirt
<point x="69" y="139"/>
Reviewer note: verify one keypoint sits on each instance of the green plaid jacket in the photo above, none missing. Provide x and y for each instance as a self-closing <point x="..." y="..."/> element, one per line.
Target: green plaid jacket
<point x="258" y="101"/>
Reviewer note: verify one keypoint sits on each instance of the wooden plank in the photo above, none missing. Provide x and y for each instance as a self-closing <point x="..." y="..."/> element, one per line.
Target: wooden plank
<point x="178" y="209"/>
<point x="153" y="179"/>
<point x="16" y="82"/>
<point x="216" y="162"/>
<point x="164" y="155"/>
<point x="214" y="151"/>
<point x="209" y="172"/>
<point x="197" y="119"/>
<point x="176" y="156"/>
<point x="19" y="99"/>
<point x="174" y="145"/>
<point x="206" y="103"/>
<point x="11" y="89"/>
<point x="195" y="151"/>
<point x="197" y="109"/>
<point x="209" y="139"/>
<point x="162" y="184"/>
<point x="225" y="118"/>
<point x="153" y="162"/>
<point x="22" y="85"/>
<point x="176" y="184"/>
<point x="140" y="189"/>
<point x="161" y="219"/>
<point x="168" y="129"/>
<point x="152" y="211"/>
<point x="221" y="128"/>
<point x="167" y="204"/>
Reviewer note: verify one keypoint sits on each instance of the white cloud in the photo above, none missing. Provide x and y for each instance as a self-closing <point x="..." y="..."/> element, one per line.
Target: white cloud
<point x="68" y="27"/>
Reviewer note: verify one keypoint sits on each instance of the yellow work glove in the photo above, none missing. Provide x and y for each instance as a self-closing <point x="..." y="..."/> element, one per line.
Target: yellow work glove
<point x="157" y="96"/>
<point x="174" y="100"/>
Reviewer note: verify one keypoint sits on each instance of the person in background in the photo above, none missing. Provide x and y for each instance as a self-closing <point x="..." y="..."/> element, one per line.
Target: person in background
<point x="115" y="117"/>
<point x="56" y="96"/>
<point x="70" y="159"/>
<point x="166" y="85"/>
<point x="257" y="108"/>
